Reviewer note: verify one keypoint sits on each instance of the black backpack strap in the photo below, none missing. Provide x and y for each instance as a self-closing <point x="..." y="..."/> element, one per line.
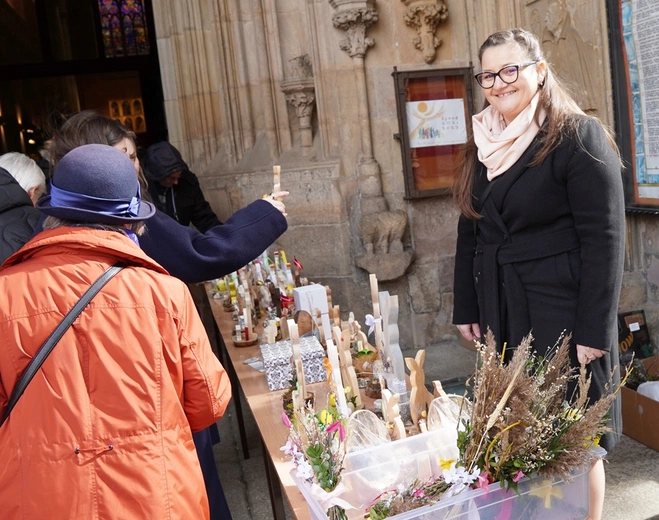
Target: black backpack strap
<point x="55" y="336"/>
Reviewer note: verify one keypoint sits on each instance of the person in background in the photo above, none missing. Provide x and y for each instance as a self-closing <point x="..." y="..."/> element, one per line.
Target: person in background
<point x="43" y="161"/>
<point x="186" y="253"/>
<point x="175" y="189"/>
<point x="21" y="184"/>
<point x="541" y="237"/>
<point x="104" y="428"/>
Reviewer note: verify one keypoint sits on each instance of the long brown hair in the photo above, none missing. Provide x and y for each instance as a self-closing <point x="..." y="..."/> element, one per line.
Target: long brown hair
<point x="89" y="127"/>
<point x="563" y="117"/>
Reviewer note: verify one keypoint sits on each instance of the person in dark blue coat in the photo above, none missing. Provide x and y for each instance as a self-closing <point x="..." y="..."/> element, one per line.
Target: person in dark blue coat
<point x="174" y="189"/>
<point x="185" y="252"/>
<point x="21" y="184"/>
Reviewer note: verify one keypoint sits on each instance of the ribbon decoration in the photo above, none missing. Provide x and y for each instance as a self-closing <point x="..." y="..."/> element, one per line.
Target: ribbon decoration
<point x="326" y="500"/>
<point x="370" y="321"/>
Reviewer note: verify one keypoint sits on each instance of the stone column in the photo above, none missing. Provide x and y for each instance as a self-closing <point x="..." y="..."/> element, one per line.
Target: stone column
<point x="354" y="17"/>
<point x="425" y="16"/>
<point x="380" y="230"/>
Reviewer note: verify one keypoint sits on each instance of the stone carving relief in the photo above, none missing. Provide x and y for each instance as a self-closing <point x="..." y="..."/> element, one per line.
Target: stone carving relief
<point x="425" y="16"/>
<point x="300" y="93"/>
<point x="569" y="43"/>
<point x="354" y="21"/>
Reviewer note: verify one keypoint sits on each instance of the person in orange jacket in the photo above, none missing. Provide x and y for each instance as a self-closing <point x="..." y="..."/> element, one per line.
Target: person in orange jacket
<point x="104" y="430"/>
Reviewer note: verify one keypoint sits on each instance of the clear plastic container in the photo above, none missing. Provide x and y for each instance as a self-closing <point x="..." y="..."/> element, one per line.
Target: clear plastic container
<point x="371" y="471"/>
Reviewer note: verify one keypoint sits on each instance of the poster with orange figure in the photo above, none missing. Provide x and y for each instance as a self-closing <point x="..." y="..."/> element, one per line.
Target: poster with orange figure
<point x="439" y="122"/>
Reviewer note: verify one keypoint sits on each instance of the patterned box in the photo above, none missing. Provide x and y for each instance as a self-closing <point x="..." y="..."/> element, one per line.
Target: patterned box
<point x="278" y="366"/>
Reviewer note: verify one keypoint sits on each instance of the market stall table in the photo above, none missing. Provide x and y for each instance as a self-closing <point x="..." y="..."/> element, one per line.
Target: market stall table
<point x="267" y="410"/>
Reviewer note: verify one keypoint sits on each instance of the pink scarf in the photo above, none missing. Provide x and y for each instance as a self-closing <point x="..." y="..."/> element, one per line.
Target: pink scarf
<point x="500" y="146"/>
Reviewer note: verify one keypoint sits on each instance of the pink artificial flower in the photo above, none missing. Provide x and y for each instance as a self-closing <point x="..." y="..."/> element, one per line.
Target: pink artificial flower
<point x="520" y="475"/>
<point x="484" y="481"/>
<point x="337" y="426"/>
<point x="286" y="420"/>
<point x="419" y="493"/>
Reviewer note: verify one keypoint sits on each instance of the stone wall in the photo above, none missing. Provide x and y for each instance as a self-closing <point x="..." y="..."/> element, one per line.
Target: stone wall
<point x="240" y="97"/>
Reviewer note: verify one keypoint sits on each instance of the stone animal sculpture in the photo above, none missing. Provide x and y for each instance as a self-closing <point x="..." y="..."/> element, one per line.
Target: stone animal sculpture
<point x="382" y="232"/>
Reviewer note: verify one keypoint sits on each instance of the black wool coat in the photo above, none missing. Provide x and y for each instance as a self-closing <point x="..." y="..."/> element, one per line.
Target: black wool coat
<point x="185" y="201"/>
<point x="546" y="256"/>
<point x="18" y="216"/>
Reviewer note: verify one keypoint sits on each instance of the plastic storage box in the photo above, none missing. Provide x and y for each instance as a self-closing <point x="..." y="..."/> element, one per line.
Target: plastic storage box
<point x="369" y="472"/>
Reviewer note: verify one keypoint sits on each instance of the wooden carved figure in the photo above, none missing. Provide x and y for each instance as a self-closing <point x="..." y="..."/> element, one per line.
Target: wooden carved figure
<point x="348" y="374"/>
<point x="389" y="310"/>
<point x="420" y="397"/>
<point x="377" y="319"/>
<point x="392" y="415"/>
<point x="333" y="356"/>
<point x="295" y="340"/>
<point x="299" y="394"/>
<point x="336" y="316"/>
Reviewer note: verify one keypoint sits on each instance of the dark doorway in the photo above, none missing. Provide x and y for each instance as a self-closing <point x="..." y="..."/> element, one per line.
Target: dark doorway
<point x="61" y="56"/>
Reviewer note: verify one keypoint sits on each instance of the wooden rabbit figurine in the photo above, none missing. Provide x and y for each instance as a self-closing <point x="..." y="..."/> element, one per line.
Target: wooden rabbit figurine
<point x="392" y="415"/>
<point x="420" y="397"/>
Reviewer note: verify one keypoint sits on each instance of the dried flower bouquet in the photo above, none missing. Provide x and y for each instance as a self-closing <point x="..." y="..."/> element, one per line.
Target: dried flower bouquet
<point x="520" y="424"/>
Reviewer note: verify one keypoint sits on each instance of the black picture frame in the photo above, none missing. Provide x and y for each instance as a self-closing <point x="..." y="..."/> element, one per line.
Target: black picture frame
<point x="429" y="170"/>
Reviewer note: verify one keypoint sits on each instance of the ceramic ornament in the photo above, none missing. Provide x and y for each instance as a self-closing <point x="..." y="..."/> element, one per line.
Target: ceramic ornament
<point x="271" y="332"/>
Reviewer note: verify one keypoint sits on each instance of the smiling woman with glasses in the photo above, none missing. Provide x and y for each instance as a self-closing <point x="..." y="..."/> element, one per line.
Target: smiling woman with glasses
<point x="541" y="236"/>
<point x="508" y="74"/>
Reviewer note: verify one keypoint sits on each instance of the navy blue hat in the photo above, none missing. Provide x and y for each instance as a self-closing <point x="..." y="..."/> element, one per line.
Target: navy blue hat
<point x="96" y="183"/>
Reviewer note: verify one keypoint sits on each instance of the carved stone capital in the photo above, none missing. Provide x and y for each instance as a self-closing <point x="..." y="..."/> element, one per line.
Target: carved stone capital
<point x="354" y="17"/>
<point x="301" y="94"/>
<point x="425" y="16"/>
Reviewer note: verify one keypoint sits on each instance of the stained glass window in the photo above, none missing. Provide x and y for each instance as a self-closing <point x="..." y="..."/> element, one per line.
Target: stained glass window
<point x="124" y="28"/>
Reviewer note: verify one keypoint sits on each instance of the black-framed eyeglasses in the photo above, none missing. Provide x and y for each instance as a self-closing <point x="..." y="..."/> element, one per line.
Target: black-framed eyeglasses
<point x="508" y="74"/>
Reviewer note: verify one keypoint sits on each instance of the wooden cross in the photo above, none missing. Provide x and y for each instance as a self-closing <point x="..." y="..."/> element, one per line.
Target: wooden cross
<point x="333" y="356"/>
<point x="348" y="374"/>
<point x="379" y="339"/>
<point x="276" y="184"/>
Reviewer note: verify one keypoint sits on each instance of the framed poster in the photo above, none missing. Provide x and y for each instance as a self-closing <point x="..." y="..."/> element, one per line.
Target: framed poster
<point x="434" y="108"/>
<point x="634" y="41"/>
